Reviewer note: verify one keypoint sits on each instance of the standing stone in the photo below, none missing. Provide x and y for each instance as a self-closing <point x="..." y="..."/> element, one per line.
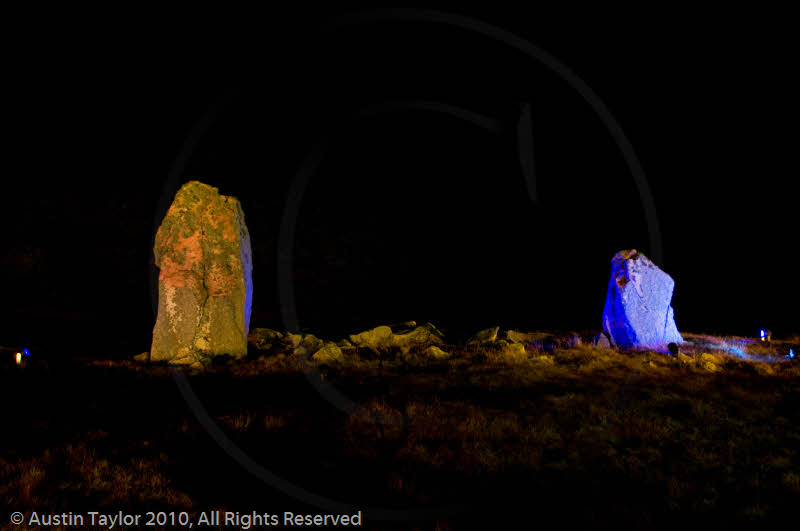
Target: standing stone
<point x="205" y="287"/>
<point x="637" y="313"/>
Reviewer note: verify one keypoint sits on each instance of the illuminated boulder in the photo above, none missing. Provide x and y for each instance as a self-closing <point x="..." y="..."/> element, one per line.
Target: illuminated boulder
<point x="304" y="345"/>
<point x="637" y="312"/>
<point x="436" y="353"/>
<point x="413" y="337"/>
<point x="483" y="337"/>
<point x="328" y="353"/>
<point x="418" y="338"/>
<point x="264" y="338"/>
<point x="205" y="287"/>
<point x="377" y="339"/>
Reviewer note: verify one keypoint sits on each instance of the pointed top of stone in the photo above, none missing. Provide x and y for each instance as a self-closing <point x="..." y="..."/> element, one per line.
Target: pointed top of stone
<point x="632" y="254"/>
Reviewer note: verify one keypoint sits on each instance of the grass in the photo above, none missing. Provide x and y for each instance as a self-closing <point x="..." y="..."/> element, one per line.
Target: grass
<point x="586" y="435"/>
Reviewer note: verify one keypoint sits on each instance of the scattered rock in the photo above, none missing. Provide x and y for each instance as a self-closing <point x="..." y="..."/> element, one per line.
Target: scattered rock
<point x="522" y="337"/>
<point x="379" y="338"/>
<point x="344" y="343"/>
<point x="308" y="345"/>
<point x="292" y="341"/>
<point x="544" y="341"/>
<point x="417" y="338"/>
<point x="601" y="340"/>
<point x="433" y="330"/>
<point x="709" y="366"/>
<point x="637" y="312"/>
<point x="573" y="341"/>
<point x="328" y="353"/>
<point x="403" y="328"/>
<point x="436" y="353"/>
<point x="264" y="338"/>
<point x="683" y="358"/>
<point x="144" y="357"/>
<point x="672" y="348"/>
<point x="484" y="337"/>
<point x="546" y="360"/>
<point x="205" y="286"/>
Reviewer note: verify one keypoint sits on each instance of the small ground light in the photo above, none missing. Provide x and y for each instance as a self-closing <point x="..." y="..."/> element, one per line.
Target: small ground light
<point x="766" y="335"/>
<point x="18" y="358"/>
<point x="26" y="352"/>
<point x="791" y="353"/>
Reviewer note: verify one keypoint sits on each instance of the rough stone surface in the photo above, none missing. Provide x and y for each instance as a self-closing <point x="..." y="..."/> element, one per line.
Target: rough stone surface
<point x="308" y="345"/>
<point x="524" y="337"/>
<point x="293" y="340"/>
<point x="379" y="338"/>
<point x="417" y="338"/>
<point x="205" y="286"/>
<point x="601" y="340"/>
<point x="329" y="353"/>
<point x="436" y="353"/>
<point x="402" y="328"/>
<point x="484" y="337"/>
<point x="710" y="367"/>
<point x="264" y="338"/>
<point x="637" y="312"/>
<point x="382" y="338"/>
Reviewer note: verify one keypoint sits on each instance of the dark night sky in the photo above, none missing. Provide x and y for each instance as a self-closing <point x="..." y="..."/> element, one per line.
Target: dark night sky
<point x="409" y="213"/>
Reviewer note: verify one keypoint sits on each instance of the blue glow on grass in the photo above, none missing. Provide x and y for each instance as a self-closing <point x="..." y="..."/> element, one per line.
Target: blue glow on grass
<point x="736" y="351"/>
<point x="791" y="353"/>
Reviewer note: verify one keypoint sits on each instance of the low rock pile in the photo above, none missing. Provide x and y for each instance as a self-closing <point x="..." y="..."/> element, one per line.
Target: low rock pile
<point x="407" y="340"/>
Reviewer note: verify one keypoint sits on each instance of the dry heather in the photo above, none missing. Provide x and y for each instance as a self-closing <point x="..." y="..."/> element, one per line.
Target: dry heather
<point x="595" y="435"/>
<point x="75" y="471"/>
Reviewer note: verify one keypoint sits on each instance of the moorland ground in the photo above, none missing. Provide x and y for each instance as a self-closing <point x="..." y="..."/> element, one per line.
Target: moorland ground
<point x="583" y="435"/>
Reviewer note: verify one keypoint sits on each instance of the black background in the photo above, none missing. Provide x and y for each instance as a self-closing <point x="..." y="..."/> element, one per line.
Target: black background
<point x="409" y="214"/>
